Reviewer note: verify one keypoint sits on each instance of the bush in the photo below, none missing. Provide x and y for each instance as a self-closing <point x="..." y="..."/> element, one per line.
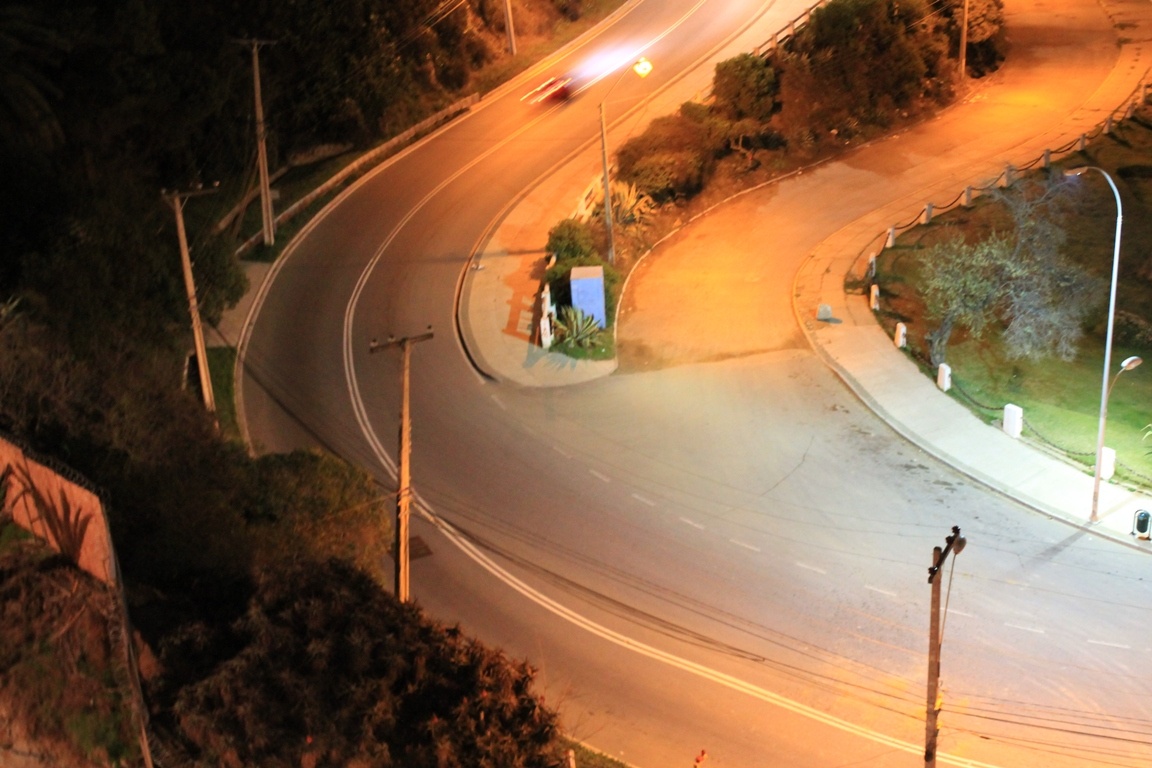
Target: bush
<point x="746" y="87"/>
<point x="571" y="240"/>
<point x="676" y="155"/>
<point x="862" y="62"/>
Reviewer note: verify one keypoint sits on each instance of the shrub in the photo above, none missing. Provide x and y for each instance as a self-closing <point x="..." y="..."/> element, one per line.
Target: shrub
<point x="571" y="240"/>
<point x="746" y="87"/>
<point x="676" y="155"/>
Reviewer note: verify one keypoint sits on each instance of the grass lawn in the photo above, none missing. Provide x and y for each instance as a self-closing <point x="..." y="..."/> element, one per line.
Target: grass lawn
<point x="586" y="758"/>
<point x="221" y="361"/>
<point x="1060" y="399"/>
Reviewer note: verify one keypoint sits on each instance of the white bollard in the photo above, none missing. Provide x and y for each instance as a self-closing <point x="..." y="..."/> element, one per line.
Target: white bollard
<point x="1013" y="420"/>
<point x="926" y="217"/>
<point x="872" y="266"/>
<point x="944" y="377"/>
<point x="900" y="337"/>
<point x="891" y="242"/>
<point x="1107" y="463"/>
<point x="824" y="312"/>
<point x="874" y="297"/>
<point x="546" y="331"/>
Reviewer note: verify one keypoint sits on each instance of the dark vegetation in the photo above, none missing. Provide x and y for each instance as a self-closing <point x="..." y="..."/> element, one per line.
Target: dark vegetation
<point x="858" y="69"/>
<point x="252" y="581"/>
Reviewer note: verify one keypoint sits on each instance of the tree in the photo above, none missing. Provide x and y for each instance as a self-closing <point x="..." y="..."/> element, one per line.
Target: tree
<point x="325" y="668"/>
<point x="1021" y="278"/>
<point x="961" y="285"/>
<point x="746" y="87"/>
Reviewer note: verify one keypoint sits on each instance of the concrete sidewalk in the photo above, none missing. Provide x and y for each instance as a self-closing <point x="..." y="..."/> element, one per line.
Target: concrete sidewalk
<point x="498" y="297"/>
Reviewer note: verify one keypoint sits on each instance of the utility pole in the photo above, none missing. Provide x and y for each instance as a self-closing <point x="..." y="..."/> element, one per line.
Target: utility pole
<point x="266" y="216"/>
<point x="510" y="26"/>
<point x="607" y="186"/>
<point x="934" y="701"/>
<point x="403" y="492"/>
<point x="176" y="201"/>
<point x="964" y="41"/>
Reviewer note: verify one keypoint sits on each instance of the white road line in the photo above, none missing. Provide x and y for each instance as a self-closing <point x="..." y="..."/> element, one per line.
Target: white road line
<point x="960" y="613"/>
<point x="599" y="476"/>
<point x="1121" y="646"/>
<point x="881" y="591"/>
<point x="739" y="543"/>
<point x="1026" y="629"/>
<point x="692" y="523"/>
<point x="497" y="401"/>
<point x="562" y="452"/>
<point x="643" y="500"/>
<point x="706" y="673"/>
<point x="807" y="567"/>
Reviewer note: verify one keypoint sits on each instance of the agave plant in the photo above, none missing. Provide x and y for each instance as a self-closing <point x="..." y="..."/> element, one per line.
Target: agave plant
<point x="628" y="205"/>
<point x="576" y="328"/>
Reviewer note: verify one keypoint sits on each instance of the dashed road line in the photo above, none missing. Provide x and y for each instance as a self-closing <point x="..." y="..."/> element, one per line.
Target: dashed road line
<point x="599" y="476"/>
<point x="692" y="523"/>
<point x="807" y="567"/>
<point x="497" y="401"/>
<point x="1121" y="646"/>
<point x="745" y="545"/>
<point x="881" y="591"/>
<point x="643" y="500"/>
<point x="562" y="452"/>
<point x="1026" y="629"/>
<point x="960" y="613"/>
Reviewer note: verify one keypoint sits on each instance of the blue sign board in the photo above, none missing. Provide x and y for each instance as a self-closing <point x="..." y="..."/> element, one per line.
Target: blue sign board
<point x="588" y="292"/>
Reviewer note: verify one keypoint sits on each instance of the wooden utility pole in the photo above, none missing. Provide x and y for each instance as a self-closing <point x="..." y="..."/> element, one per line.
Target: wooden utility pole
<point x="267" y="217"/>
<point x="510" y="26"/>
<point x="176" y="201"/>
<point x="933" y="698"/>
<point x="964" y="41"/>
<point x="403" y="492"/>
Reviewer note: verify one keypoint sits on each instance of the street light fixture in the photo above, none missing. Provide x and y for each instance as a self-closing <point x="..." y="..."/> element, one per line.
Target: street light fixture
<point x="955" y="544"/>
<point x="643" y="68"/>
<point x="1105" y="386"/>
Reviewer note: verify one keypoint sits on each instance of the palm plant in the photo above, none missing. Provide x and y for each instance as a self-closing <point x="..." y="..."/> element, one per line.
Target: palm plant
<point x="576" y="328"/>
<point x="629" y="205"/>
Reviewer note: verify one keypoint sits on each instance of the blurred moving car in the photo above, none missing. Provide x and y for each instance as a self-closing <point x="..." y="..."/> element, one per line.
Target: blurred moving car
<point x="552" y="89"/>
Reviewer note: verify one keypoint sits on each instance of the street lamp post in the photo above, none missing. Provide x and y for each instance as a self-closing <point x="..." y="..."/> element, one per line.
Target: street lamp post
<point x="641" y="67"/>
<point x="954" y="543"/>
<point x="1105" y="386"/>
<point x="403" y="491"/>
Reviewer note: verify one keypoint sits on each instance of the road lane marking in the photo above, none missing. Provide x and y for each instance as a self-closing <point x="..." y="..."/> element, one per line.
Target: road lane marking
<point x="960" y="613"/>
<point x="1026" y="629"/>
<point x="881" y="591"/>
<point x="739" y="543"/>
<point x="643" y="500"/>
<point x="691" y="667"/>
<point x="561" y="451"/>
<point x="1121" y="646"/>
<point x="497" y="401"/>
<point x="692" y="523"/>
<point x="599" y="476"/>
<point x="807" y="567"/>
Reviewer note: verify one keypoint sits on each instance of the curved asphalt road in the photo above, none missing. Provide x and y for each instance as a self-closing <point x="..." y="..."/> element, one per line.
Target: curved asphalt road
<point x="748" y="516"/>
